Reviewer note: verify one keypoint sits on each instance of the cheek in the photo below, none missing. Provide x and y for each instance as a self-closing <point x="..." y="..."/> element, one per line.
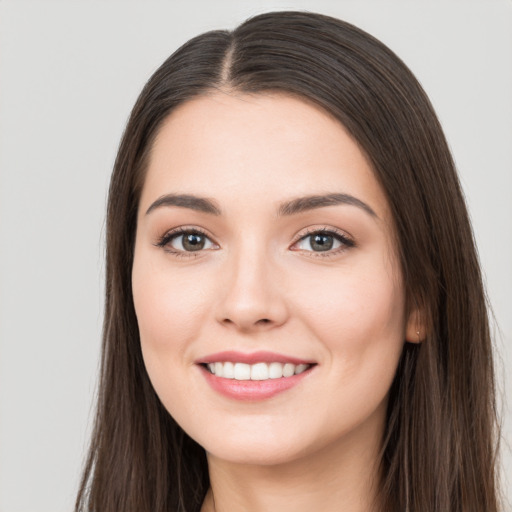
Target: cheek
<point x="359" y="319"/>
<point x="358" y="314"/>
<point x="171" y="309"/>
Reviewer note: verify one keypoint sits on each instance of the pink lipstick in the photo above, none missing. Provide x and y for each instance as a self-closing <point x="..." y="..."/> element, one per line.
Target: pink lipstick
<point x="254" y="376"/>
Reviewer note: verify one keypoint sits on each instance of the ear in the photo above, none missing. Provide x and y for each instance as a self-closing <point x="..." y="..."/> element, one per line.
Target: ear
<point x="415" y="328"/>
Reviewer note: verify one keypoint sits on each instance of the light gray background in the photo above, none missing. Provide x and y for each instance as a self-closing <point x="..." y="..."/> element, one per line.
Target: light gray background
<point x="69" y="74"/>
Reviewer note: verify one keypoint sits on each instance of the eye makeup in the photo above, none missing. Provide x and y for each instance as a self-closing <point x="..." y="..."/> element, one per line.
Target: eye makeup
<point x="316" y="242"/>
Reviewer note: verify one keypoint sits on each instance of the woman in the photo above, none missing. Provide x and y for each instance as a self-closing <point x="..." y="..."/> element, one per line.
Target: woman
<point x="295" y="315"/>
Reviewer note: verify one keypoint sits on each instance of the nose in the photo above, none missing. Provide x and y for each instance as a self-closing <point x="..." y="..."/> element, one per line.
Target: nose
<point x="252" y="296"/>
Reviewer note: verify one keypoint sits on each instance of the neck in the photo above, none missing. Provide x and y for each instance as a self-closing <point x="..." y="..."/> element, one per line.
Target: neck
<point x="342" y="477"/>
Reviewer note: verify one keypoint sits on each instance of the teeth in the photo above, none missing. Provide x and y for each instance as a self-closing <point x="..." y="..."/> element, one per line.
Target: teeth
<point x="258" y="371"/>
<point x="228" y="370"/>
<point x="275" y="370"/>
<point x="288" y="370"/>
<point x="300" y="368"/>
<point x="242" y="371"/>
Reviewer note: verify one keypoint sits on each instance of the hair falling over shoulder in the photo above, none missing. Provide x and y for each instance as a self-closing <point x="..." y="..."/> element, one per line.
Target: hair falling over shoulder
<point x="439" y="451"/>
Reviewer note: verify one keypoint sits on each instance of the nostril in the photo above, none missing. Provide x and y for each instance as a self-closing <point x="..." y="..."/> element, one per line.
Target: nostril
<point x="247" y="324"/>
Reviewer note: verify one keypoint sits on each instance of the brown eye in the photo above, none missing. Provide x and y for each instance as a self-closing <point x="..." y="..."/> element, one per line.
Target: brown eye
<point x="193" y="241"/>
<point x="323" y="241"/>
<point x="186" y="241"/>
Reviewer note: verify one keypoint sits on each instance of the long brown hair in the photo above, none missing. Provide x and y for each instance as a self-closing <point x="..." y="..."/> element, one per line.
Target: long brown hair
<point x="440" y="444"/>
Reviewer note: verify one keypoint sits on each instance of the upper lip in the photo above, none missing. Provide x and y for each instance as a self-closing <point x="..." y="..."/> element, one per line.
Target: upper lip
<point x="252" y="358"/>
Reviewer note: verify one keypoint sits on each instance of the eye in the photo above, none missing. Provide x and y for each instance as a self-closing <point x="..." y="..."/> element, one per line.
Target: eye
<point x="324" y="241"/>
<point x="185" y="241"/>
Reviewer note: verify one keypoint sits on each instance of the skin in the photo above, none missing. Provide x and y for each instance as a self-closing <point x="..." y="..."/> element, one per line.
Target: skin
<point x="259" y="284"/>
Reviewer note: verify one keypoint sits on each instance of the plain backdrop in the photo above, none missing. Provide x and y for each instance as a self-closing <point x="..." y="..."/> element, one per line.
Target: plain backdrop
<point x="69" y="74"/>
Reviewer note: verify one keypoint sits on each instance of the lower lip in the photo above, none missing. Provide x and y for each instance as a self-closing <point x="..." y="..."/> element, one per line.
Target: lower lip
<point x="252" y="390"/>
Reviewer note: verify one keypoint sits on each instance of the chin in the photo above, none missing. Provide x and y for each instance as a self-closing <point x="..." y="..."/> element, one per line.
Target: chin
<point x="262" y="453"/>
<point x="262" y="445"/>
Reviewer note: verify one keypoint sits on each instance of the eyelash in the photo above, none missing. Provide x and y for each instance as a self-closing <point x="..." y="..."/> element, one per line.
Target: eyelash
<point x="165" y="240"/>
<point x="346" y="242"/>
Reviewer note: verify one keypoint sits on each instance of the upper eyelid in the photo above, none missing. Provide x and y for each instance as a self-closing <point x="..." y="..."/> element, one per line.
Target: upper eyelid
<point x="326" y="229"/>
<point x="310" y="231"/>
<point x="180" y="231"/>
<point x="164" y="240"/>
<point x="347" y="242"/>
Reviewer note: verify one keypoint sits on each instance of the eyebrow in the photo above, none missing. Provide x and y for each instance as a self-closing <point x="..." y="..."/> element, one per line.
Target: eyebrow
<point x="302" y="204"/>
<point x="287" y="208"/>
<point x="200" y="204"/>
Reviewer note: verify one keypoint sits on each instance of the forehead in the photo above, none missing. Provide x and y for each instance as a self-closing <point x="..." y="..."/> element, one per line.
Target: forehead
<point x="257" y="148"/>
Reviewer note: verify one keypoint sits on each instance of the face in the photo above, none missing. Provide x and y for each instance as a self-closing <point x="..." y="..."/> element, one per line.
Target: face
<point x="266" y="285"/>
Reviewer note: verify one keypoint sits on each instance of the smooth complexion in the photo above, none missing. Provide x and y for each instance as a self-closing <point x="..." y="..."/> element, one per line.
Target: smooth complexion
<point x="257" y="273"/>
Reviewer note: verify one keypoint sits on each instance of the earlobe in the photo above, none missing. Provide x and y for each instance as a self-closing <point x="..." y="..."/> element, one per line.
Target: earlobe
<point x="415" y="329"/>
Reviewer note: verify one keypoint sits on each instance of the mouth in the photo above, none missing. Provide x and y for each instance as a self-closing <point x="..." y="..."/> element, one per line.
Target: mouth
<point x="253" y="377"/>
<point x="257" y="372"/>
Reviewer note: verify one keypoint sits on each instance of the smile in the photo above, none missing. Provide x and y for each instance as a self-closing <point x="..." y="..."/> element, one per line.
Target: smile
<point x="258" y="371"/>
<point x="253" y="377"/>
